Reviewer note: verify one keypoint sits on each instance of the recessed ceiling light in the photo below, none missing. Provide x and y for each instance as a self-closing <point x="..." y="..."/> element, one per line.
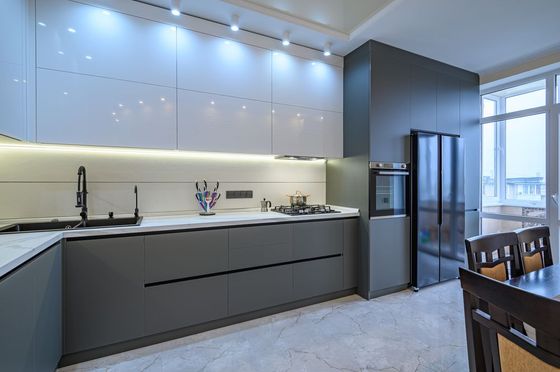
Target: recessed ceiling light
<point x="327" y="51"/>
<point x="162" y="99"/>
<point x="121" y="105"/>
<point x="65" y="93"/>
<point x="235" y="23"/>
<point x="61" y="52"/>
<point x="212" y="102"/>
<point x="89" y="57"/>
<point x="141" y="102"/>
<point x="243" y="107"/>
<point x="42" y="24"/>
<point x="71" y="30"/>
<point x="286" y="38"/>
<point x="176" y="7"/>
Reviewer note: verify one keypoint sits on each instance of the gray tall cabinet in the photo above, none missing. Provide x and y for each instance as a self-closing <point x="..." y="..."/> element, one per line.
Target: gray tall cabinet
<point x="389" y="92"/>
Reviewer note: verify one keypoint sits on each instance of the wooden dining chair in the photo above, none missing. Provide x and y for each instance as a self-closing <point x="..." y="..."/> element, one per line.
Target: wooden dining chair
<point x="534" y="248"/>
<point x="494" y="255"/>
<point x="506" y="349"/>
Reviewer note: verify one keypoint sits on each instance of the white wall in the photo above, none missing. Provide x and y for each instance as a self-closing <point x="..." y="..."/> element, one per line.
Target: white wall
<point x="40" y="180"/>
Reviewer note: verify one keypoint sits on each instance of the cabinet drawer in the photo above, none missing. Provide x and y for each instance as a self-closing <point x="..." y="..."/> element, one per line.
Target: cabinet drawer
<point x="316" y="239"/>
<point x="260" y="245"/>
<point x="183" y="255"/>
<point x="259" y="289"/>
<point x="314" y="278"/>
<point x="176" y="305"/>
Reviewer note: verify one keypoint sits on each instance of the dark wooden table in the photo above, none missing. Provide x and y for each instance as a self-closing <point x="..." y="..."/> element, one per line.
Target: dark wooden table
<point x="544" y="282"/>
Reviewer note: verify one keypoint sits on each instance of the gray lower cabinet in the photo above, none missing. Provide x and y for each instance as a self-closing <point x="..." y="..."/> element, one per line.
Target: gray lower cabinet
<point x="314" y="278"/>
<point x="186" y="254"/>
<point x="317" y="239"/>
<point x="31" y="315"/>
<point x="351" y="243"/>
<point x="48" y="306"/>
<point x="260" y="245"/>
<point x="17" y="321"/>
<point x="390" y="253"/>
<point x="472" y="224"/>
<point x="104" y="292"/>
<point x="258" y="289"/>
<point x="182" y="304"/>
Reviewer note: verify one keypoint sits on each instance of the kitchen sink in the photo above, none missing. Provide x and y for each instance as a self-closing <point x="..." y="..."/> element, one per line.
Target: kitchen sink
<point x="70" y="224"/>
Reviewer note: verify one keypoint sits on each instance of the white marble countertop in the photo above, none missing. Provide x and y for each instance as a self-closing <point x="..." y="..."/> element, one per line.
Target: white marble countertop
<point x="17" y="248"/>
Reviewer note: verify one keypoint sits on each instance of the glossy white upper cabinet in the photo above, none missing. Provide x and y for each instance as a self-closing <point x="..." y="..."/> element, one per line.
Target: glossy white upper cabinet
<point x="214" y="65"/>
<point x="297" y="131"/>
<point x="334" y="134"/>
<point x="12" y="68"/>
<point x="85" y="39"/>
<point x="89" y="110"/>
<point x="301" y="82"/>
<point x="210" y="122"/>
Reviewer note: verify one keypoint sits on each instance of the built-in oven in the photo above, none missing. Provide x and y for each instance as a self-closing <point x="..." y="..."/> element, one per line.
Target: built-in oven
<point x="389" y="189"/>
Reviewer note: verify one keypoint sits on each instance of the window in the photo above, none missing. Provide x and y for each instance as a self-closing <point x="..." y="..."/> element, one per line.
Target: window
<point x="513" y="155"/>
<point x="517" y="98"/>
<point x="525" y="159"/>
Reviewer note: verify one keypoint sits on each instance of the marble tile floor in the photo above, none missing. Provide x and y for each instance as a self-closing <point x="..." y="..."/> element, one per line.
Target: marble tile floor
<point x="405" y="331"/>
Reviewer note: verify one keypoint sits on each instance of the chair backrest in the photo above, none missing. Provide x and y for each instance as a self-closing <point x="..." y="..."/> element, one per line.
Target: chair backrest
<point x="492" y="344"/>
<point x="494" y="255"/>
<point x="534" y="248"/>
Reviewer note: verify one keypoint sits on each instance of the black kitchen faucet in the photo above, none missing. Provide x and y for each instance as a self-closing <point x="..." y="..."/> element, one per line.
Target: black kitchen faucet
<point x="81" y="195"/>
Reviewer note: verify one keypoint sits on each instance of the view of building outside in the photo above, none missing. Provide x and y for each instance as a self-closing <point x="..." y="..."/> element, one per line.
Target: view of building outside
<point x="514" y="157"/>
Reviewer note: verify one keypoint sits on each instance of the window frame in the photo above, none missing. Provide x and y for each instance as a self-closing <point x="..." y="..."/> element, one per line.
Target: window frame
<point x="499" y="121"/>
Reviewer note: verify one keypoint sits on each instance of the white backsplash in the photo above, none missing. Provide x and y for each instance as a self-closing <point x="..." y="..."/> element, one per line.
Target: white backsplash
<point x="39" y="181"/>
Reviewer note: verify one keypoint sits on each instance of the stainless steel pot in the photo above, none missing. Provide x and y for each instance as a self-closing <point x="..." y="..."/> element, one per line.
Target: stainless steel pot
<point x="298" y="199"/>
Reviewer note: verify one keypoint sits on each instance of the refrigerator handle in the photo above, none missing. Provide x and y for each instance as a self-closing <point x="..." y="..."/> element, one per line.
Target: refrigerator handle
<point x="440" y="181"/>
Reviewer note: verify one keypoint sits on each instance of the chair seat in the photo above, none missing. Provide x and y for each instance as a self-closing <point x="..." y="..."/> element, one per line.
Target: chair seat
<point x="533" y="262"/>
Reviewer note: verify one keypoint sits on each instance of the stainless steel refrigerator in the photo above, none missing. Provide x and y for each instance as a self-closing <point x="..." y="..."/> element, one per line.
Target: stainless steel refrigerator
<point x="438" y="208"/>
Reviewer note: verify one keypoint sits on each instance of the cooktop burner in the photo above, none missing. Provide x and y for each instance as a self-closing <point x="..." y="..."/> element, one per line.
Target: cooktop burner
<point x="296" y="210"/>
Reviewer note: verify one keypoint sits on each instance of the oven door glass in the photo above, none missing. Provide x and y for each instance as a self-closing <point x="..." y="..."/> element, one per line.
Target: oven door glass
<point x="389" y="195"/>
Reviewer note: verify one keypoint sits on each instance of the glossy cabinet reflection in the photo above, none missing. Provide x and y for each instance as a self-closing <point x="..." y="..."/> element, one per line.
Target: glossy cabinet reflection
<point x="301" y="82"/>
<point x="210" y="122"/>
<point x="87" y="110"/>
<point x="90" y="40"/>
<point x="12" y="68"/>
<point x="110" y="79"/>
<point x="334" y="134"/>
<point x="297" y="131"/>
<point x="214" y="65"/>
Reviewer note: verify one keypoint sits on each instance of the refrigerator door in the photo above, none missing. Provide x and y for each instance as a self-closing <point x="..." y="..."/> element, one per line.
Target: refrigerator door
<point x="425" y="235"/>
<point x="452" y="228"/>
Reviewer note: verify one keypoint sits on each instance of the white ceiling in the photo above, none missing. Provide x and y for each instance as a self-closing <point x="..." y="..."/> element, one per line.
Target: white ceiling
<point x="483" y="36"/>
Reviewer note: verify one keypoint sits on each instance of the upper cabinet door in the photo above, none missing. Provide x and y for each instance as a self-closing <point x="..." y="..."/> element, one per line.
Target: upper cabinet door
<point x="448" y="104"/>
<point x="297" y="131"/>
<point x="85" y="39"/>
<point x="301" y="82"/>
<point x="215" y="65"/>
<point x="211" y="122"/>
<point x="12" y="68"/>
<point x="89" y="110"/>
<point x="334" y="134"/>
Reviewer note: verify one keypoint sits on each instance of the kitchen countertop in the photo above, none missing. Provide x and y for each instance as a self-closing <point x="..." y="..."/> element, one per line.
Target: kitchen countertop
<point x="18" y="248"/>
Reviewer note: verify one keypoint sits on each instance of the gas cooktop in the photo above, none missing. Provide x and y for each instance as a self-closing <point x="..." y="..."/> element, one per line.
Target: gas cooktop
<point x="296" y="210"/>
